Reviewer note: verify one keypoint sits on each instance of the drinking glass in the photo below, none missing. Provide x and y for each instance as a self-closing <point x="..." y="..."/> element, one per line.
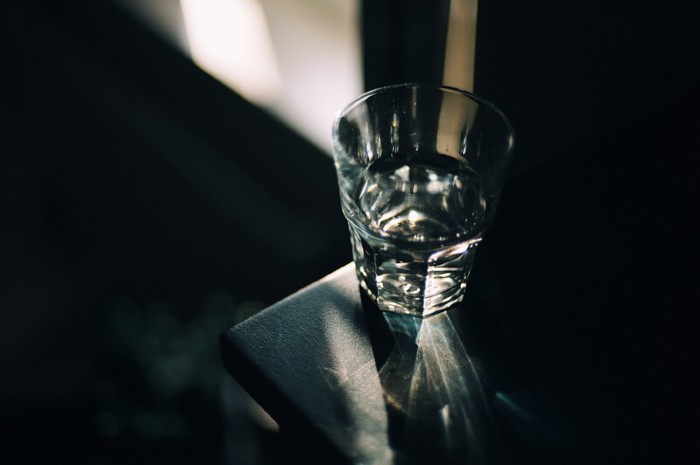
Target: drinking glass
<point x="420" y="169"/>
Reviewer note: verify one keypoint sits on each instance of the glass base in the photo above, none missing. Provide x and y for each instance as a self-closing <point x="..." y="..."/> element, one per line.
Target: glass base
<point x="419" y="283"/>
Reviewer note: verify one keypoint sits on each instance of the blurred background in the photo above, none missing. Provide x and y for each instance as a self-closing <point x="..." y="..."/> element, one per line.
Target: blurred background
<point x="165" y="172"/>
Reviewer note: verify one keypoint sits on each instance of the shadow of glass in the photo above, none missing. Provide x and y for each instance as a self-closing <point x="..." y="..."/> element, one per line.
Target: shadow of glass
<point x="435" y="397"/>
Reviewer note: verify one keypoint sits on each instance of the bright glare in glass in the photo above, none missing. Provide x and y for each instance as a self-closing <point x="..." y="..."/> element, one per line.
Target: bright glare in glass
<point x="414" y="216"/>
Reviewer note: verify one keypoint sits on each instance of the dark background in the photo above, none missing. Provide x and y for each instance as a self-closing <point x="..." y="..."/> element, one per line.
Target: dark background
<point x="145" y="208"/>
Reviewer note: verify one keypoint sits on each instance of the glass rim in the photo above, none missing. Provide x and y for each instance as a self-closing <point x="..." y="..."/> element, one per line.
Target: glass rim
<point x="440" y="87"/>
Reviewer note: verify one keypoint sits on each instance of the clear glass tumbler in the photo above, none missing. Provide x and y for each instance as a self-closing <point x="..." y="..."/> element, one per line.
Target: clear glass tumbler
<point x="420" y="169"/>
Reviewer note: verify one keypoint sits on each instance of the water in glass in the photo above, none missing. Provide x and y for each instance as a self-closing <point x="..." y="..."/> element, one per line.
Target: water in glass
<point x="414" y="224"/>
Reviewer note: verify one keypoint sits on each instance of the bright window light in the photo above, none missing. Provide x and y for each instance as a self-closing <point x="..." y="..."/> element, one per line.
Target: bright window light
<point x="230" y="40"/>
<point x="298" y="59"/>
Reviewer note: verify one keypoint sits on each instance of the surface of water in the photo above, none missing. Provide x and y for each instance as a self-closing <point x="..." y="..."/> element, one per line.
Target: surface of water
<point x="414" y="226"/>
